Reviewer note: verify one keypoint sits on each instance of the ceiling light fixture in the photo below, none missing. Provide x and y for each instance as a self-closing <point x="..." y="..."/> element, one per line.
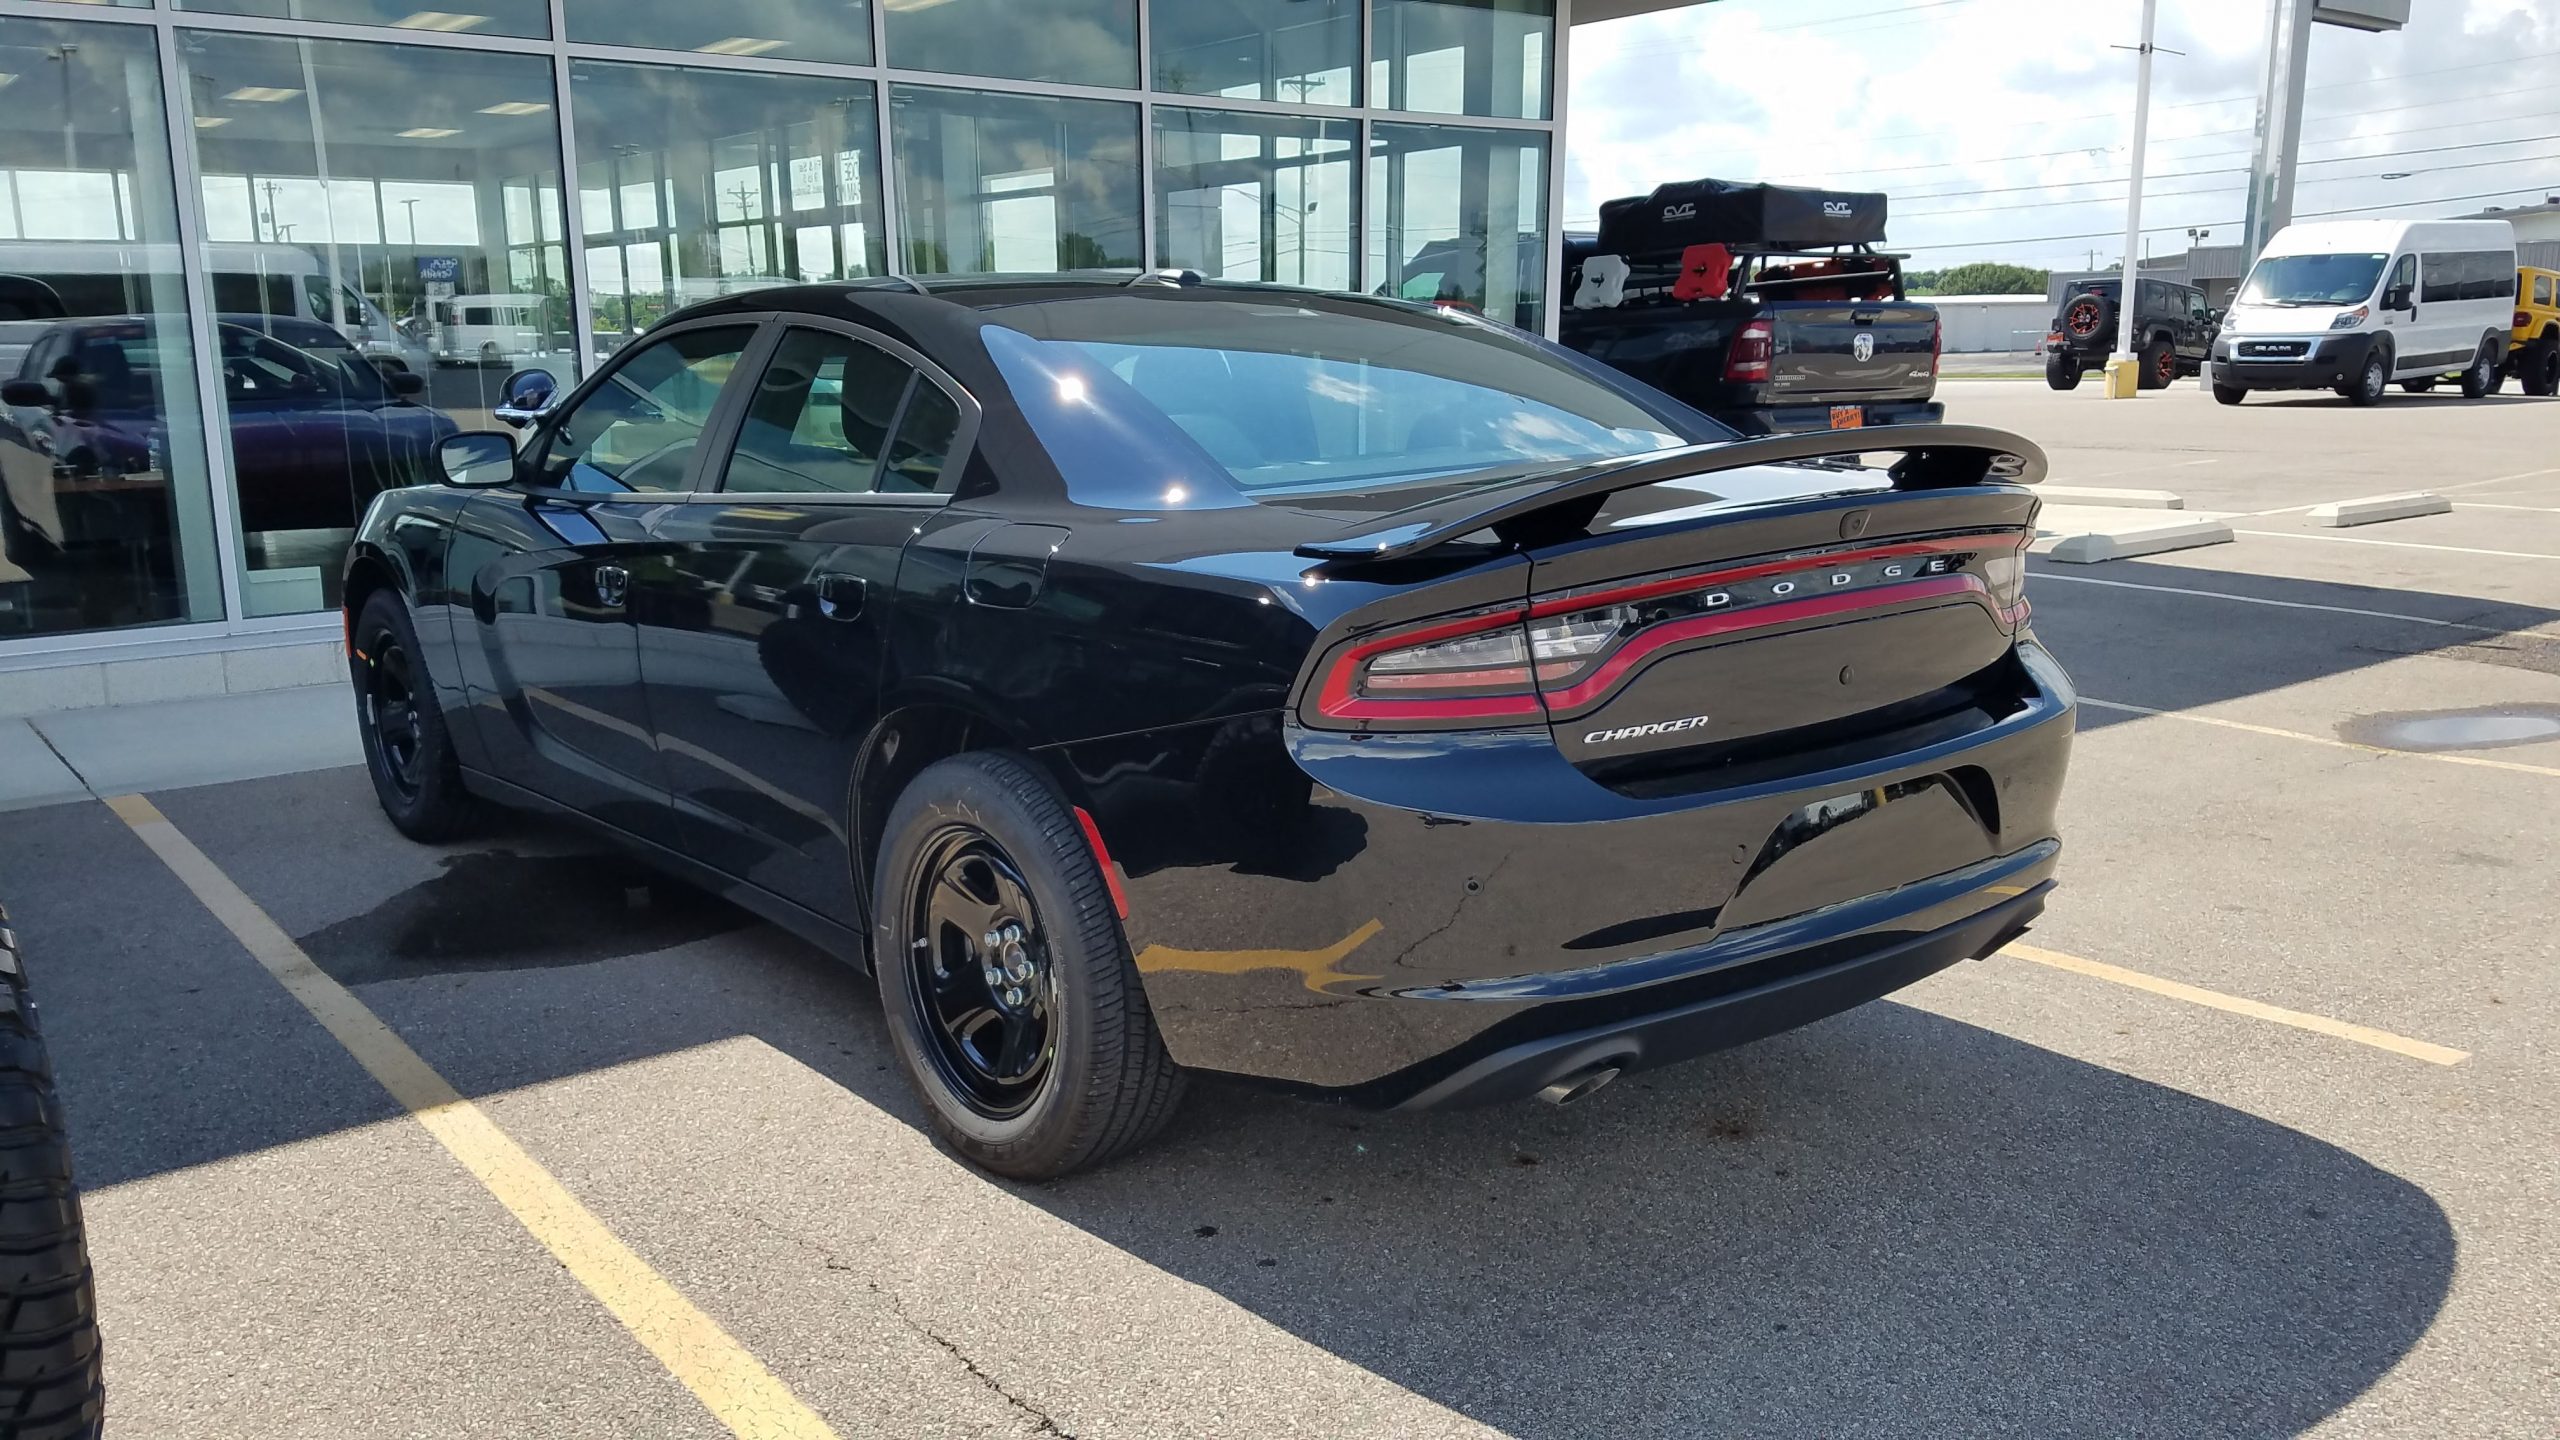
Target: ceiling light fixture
<point x="261" y="94"/>
<point x="426" y="132"/>
<point x="445" y="20"/>
<point x="210" y="122"/>
<point x="740" y="45"/>
<point x="5" y="78"/>
<point x="515" y="107"/>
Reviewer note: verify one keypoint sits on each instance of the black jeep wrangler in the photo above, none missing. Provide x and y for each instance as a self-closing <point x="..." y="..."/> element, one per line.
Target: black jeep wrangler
<point x="2172" y="332"/>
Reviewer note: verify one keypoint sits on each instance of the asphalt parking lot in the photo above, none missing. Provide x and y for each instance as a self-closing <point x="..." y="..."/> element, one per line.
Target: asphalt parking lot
<point x="2253" y="1137"/>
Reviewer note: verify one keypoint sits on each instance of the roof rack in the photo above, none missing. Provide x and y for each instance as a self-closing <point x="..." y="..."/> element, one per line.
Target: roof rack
<point x="1175" y="277"/>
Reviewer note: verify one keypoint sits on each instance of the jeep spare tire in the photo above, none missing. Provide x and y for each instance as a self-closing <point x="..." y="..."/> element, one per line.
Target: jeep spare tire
<point x="2088" y="316"/>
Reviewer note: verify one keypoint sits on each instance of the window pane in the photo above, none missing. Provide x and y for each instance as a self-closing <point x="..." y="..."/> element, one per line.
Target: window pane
<point x="1259" y="49"/>
<point x="1463" y="57"/>
<point x="389" y="213"/>
<point x="1256" y="197"/>
<point x="106" y="511"/>
<point x="1078" y="42"/>
<point x="638" y="430"/>
<point x="1015" y="182"/>
<point x="1459" y="216"/>
<point x="818" y="418"/>
<point x="835" y="30"/>
<point x="467" y="17"/>
<point x="917" y="459"/>
<point x="694" y="184"/>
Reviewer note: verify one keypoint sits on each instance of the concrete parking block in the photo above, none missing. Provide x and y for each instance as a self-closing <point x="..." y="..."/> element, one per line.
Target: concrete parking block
<point x="129" y="748"/>
<point x="2112" y="498"/>
<point x="2088" y="534"/>
<point x="30" y="773"/>
<point x="2373" y="509"/>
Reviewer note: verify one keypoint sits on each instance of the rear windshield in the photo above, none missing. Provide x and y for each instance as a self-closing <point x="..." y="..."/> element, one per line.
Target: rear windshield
<point x="1284" y="397"/>
<point x="2313" y="280"/>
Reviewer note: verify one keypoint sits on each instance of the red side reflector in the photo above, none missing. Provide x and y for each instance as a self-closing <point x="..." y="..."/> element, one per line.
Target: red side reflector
<point x="1102" y="853"/>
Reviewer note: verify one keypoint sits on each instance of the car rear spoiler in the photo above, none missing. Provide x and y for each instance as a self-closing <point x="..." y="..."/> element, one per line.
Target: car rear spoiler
<point x="1566" y="499"/>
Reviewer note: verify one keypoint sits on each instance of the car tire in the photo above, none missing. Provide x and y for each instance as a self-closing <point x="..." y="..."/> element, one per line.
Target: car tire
<point x="2159" y="365"/>
<point x="2062" y="372"/>
<point x="2087" y="315"/>
<point x="2541" y="369"/>
<point x="408" y="752"/>
<point x="1037" y="1056"/>
<point x="2230" y="394"/>
<point x="2418" y="387"/>
<point x="2368" y="386"/>
<point x="491" y="356"/>
<point x="2486" y="374"/>
<point x="51" y="1377"/>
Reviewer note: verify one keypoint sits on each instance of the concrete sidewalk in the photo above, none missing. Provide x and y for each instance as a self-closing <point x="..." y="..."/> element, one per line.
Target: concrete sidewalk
<point x="171" y="745"/>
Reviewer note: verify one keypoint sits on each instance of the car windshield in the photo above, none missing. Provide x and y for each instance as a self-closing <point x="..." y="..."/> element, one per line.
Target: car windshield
<point x="317" y="367"/>
<point x="1292" y="396"/>
<point x="2313" y="280"/>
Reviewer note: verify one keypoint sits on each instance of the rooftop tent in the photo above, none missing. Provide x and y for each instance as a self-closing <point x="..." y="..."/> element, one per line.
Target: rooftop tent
<point x="1702" y="212"/>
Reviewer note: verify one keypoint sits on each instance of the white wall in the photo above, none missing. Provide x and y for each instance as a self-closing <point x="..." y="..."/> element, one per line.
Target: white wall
<point x="1987" y="324"/>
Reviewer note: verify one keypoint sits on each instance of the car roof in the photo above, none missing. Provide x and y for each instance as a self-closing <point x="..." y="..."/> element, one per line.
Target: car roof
<point x="998" y="291"/>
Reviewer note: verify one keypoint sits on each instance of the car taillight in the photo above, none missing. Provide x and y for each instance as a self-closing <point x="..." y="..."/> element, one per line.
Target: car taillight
<point x="2522" y="319"/>
<point x="1568" y="652"/>
<point x="1937" y="343"/>
<point x="1752" y="349"/>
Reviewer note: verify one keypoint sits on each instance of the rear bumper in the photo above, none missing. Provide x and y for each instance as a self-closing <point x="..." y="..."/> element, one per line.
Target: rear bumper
<point x="1372" y="917"/>
<point x="1794" y="418"/>
<point x="2328" y="363"/>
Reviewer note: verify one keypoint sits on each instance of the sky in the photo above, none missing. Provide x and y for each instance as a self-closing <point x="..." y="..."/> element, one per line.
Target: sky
<point x="2003" y="129"/>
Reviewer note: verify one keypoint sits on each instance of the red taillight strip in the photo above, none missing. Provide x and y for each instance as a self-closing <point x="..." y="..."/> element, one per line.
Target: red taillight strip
<point x="1651" y="589"/>
<point x="1758" y="618"/>
<point x="1339" y="703"/>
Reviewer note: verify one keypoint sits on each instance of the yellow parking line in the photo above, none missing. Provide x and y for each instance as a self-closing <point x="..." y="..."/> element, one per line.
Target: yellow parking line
<point x="731" y="1383"/>
<point x="2478" y="762"/>
<point x="2233" y="1004"/>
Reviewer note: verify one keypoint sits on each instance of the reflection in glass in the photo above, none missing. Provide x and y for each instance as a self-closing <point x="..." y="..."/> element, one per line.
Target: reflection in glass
<point x="1463" y="57"/>
<point x="467" y="17"/>
<point x="388" y="204"/>
<point x="1011" y="183"/>
<point x="1459" y="216"/>
<point x="1259" y="49"/>
<point x="1075" y="42"/>
<point x="106" y="514"/>
<point x="1256" y="197"/>
<point x="832" y="30"/>
<point x="638" y="430"/>
<point x="694" y="184"/>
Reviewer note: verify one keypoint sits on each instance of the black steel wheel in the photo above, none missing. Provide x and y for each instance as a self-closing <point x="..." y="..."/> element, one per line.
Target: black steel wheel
<point x="1012" y="1002"/>
<point x="407" y="750"/>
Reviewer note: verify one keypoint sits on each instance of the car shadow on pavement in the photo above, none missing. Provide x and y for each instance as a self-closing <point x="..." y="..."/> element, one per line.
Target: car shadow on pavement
<point x="1889" y="1223"/>
<point x="2140" y="646"/>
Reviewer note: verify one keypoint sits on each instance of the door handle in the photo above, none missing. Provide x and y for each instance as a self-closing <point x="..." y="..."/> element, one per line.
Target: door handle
<point x="613" y="586"/>
<point x="840" y="597"/>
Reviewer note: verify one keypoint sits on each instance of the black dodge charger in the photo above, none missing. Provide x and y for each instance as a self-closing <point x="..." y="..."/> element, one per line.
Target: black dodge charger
<point x="1145" y="676"/>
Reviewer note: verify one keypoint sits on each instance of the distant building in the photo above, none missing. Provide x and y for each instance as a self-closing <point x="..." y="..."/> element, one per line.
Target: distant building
<point x="2534" y="223"/>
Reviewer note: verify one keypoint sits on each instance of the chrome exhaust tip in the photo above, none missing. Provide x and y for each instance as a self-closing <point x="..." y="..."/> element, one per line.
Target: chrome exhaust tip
<point x="1579" y="1086"/>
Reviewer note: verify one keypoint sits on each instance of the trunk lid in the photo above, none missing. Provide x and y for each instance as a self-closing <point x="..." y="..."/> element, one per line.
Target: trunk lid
<point x="1869" y="349"/>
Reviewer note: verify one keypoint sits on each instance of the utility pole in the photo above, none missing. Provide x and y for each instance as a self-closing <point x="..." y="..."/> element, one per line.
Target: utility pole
<point x="2271" y="172"/>
<point x="2129" y="302"/>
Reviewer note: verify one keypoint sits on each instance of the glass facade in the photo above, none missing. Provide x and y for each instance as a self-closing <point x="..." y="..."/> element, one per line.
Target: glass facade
<point x="258" y="256"/>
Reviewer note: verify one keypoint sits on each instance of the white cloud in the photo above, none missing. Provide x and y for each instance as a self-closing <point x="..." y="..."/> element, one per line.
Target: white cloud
<point x="1993" y="123"/>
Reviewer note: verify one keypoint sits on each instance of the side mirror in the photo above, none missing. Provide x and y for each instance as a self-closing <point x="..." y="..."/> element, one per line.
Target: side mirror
<point x="29" y="394"/>
<point x="407" y="382"/>
<point x="477" y="460"/>
<point x="523" y="396"/>
<point x="2399" y="297"/>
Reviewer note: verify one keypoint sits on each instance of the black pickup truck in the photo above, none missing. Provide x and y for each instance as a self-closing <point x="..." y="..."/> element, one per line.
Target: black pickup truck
<point x="1766" y="306"/>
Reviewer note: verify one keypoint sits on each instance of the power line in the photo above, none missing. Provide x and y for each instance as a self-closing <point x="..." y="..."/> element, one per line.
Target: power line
<point x="2201" y="174"/>
<point x="2218" y="224"/>
<point x="2207" y="190"/>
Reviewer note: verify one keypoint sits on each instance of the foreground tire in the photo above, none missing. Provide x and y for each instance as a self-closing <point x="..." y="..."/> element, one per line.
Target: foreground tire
<point x="2368" y="386"/>
<point x="2230" y="394"/>
<point x="51" y="1385"/>
<point x="2486" y="375"/>
<point x="2062" y="372"/>
<point x="1011" y="999"/>
<point x="407" y="750"/>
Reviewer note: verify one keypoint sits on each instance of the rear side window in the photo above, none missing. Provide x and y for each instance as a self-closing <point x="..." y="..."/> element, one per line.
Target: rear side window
<point x="2541" y="289"/>
<point x="2467" y="275"/>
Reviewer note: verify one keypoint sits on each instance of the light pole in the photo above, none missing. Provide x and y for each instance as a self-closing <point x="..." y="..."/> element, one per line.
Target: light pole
<point x="411" y="205"/>
<point x="2123" y="378"/>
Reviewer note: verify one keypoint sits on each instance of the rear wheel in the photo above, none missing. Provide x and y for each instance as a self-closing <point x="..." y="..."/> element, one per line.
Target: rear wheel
<point x="2486" y="375"/>
<point x="51" y="1384"/>
<point x="2062" y="371"/>
<point x="2540" y="370"/>
<point x="407" y="749"/>
<point x="2159" y="365"/>
<point x="2230" y="394"/>
<point x="2418" y="387"/>
<point x="1011" y="999"/>
<point x="2371" y="382"/>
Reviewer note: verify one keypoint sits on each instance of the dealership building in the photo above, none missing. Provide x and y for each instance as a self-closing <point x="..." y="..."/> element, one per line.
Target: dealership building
<point x="256" y="255"/>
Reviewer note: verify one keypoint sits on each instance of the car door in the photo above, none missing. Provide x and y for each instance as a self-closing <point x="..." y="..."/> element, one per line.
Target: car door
<point x="764" y="630"/>
<point x="2408" y="340"/>
<point x="551" y="577"/>
<point x="2197" y="338"/>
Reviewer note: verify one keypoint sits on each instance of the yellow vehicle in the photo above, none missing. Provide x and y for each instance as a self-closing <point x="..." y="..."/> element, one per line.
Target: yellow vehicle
<point x="2534" y="357"/>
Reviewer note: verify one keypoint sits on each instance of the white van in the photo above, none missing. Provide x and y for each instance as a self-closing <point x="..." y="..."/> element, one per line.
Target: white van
<point x="43" y="282"/>
<point x="487" y="329"/>
<point x="2353" y="305"/>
